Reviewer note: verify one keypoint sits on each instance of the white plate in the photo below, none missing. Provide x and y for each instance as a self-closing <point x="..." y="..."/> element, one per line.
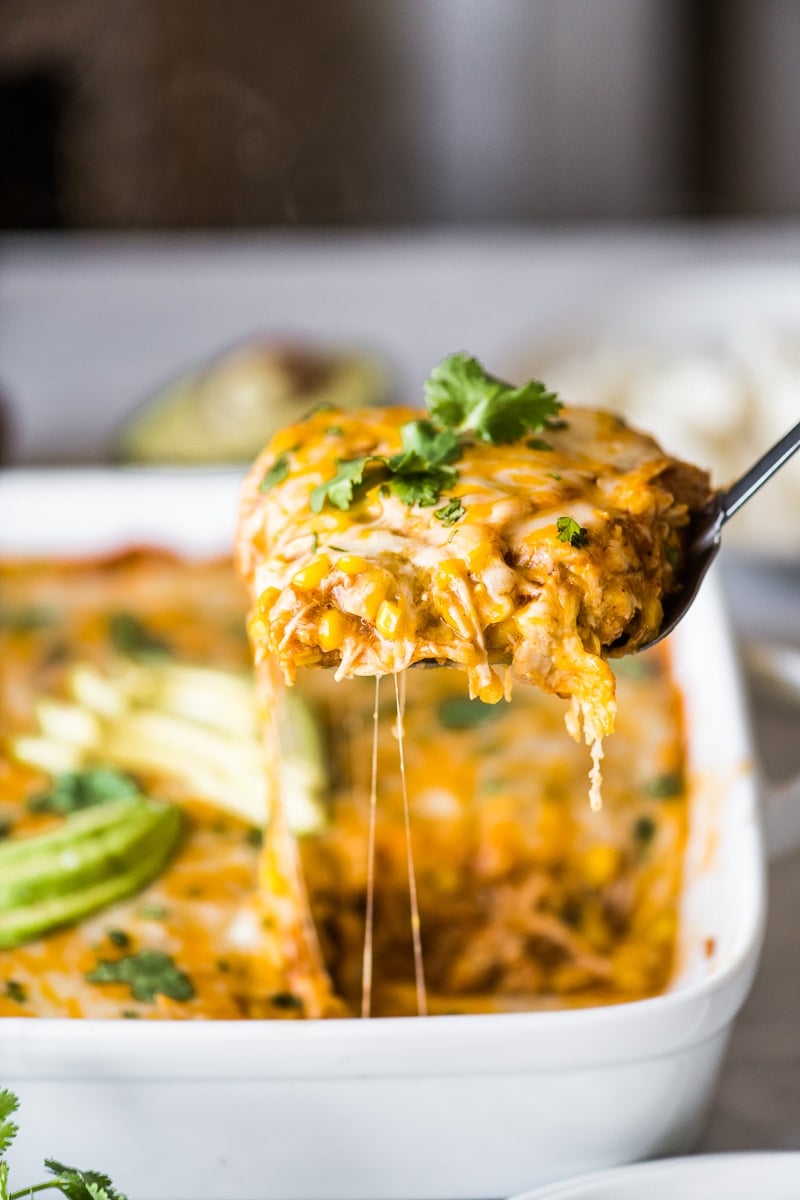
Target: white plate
<point x="709" y="1177"/>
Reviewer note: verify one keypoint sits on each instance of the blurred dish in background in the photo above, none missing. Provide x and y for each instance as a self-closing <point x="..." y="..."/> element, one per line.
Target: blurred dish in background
<point x="709" y="360"/>
<point x="224" y="411"/>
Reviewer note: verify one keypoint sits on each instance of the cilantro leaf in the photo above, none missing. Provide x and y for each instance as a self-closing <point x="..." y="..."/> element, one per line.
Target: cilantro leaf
<point x="341" y="490"/>
<point x="570" y="531"/>
<point x="276" y="473"/>
<point x="8" y="1129"/>
<point x="75" y="790"/>
<point x="129" y="636"/>
<point x="82" y="1185"/>
<point x="461" y="396"/>
<point x="423" y="487"/>
<point x="453" y="511"/>
<point x="424" y="448"/>
<point x="148" y="973"/>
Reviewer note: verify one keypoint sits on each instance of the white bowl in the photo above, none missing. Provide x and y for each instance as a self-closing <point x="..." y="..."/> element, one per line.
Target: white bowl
<point x="468" y="1106"/>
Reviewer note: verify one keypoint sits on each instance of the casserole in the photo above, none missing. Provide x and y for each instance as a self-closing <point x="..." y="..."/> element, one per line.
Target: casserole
<point x="470" y="1105"/>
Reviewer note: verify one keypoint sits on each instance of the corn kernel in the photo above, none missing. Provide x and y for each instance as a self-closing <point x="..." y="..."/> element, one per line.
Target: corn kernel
<point x="601" y="864"/>
<point x="389" y="619"/>
<point x="374" y="596"/>
<point x="257" y="628"/>
<point x="331" y="629"/>
<point x="267" y="599"/>
<point x="311" y="576"/>
<point x="352" y="564"/>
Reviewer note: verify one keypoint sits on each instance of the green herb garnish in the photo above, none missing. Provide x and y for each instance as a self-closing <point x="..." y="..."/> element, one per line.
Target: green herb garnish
<point x="538" y="443"/>
<point x="119" y="938"/>
<point x="570" y="531"/>
<point x="129" y="636"/>
<point x="334" y="431"/>
<point x="16" y="991"/>
<point x="26" y="620"/>
<point x="462" y="396"/>
<point x="150" y="911"/>
<point x="82" y="789"/>
<point x="70" y="1181"/>
<point x="453" y="511"/>
<point x="148" y="973"/>
<point x="286" y="1000"/>
<point x="276" y="473"/>
<point x="644" y="830"/>
<point x="463" y="400"/>
<point x="663" y="787"/>
<point x="459" y="712"/>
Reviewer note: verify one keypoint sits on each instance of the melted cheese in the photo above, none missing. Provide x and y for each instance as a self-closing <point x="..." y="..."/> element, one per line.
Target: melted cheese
<point x="382" y="586"/>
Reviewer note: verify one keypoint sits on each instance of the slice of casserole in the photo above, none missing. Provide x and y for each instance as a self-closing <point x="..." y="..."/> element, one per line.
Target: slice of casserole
<point x="499" y="528"/>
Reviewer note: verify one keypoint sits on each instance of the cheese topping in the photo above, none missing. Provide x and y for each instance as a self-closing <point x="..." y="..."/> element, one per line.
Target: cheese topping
<point x="545" y="553"/>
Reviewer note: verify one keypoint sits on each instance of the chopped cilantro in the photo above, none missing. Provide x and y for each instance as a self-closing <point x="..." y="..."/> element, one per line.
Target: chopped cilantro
<point x="286" y="1000"/>
<point x="26" y="620"/>
<point x="276" y="473"/>
<point x="644" y="830"/>
<point x="570" y="531"/>
<point x="6" y="825"/>
<point x="314" y="542"/>
<point x="462" y="399"/>
<point x="422" y="487"/>
<point x="453" y="511"/>
<point x="459" y="712"/>
<point x="129" y="636"/>
<point x="82" y="789"/>
<point x="663" y="787"/>
<point x="673" y="557"/>
<point x="254" y="837"/>
<point x="119" y="938"/>
<point x="150" y="911"/>
<point x="537" y="443"/>
<point x="148" y="973"/>
<point x="462" y="396"/>
<point x="335" y="431"/>
<point x="555" y="475"/>
<point x="340" y="491"/>
<point x="16" y="991"/>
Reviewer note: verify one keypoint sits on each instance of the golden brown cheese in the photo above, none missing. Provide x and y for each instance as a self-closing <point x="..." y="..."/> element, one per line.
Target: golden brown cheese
<point x="381" y="586"/>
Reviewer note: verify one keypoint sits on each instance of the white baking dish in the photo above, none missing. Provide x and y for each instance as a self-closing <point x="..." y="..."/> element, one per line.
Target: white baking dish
<point x="468" y="1106"/>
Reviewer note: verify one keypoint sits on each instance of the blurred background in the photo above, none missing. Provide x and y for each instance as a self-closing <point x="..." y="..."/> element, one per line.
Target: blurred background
<point x="349" y="190"/>
<point x="219" y="114"/>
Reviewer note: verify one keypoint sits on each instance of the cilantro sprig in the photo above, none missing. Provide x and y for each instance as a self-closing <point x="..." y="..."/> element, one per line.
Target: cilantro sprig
<point x="464" y="402"/>
<point x="71" y="1182"/>
<point x="417" y="475"/>
<point x="462" y="396"/>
